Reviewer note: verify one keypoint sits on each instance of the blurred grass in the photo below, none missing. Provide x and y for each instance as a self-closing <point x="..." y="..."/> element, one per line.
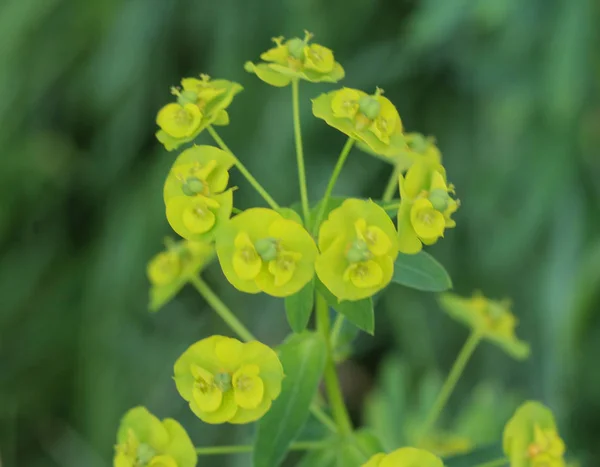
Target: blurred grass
<point x="510" y="89"/>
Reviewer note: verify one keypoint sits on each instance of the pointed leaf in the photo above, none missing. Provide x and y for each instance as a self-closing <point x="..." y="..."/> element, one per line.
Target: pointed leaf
<point x="360" y="312"/>
<point x="298" y="307"/>
<point x="421" y="271"/>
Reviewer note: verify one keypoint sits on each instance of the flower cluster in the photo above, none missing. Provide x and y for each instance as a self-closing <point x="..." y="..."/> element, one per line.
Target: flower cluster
<point x="296" y="59"/>
<point x="405" y="457"/>
<point x="426" y="206"/>
<point x="491" y="319"/>
<point x="261" y="251"/>
<point x="358" y="244"/>
<point x="225" y="380"/>
<point x="145" y="441"/>
<point x="200" y="103"/>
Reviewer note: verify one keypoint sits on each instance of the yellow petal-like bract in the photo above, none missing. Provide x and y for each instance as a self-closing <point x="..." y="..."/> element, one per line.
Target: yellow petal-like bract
<point x="405" y="457"/>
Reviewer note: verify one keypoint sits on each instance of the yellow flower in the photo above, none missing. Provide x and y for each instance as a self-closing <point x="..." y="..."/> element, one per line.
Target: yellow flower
<point x="371" y="120"/>
<point x="200" y="103"/>
<point x="296" y="59"/>
<point x="531" y="438"/>
<point x="426" y="206"/>
<point x="225" y="380"/>
<point x="194" y="195"/>
<point x="358" y="245"/>
<point x="143" y="440"/>
<point x="170" y="270"/>
<point x="405" y="457"/>
<point x="259" y="250"/>
<point x="492" y="319"/>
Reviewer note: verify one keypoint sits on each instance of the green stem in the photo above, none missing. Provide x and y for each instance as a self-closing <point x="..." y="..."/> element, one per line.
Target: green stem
<point x="450" y="383"/>
<point x="222" y="310"/>
<point x="494" y="463"/>
<point x="392" y="185"/>
<point x="332" y="383"/>
<point x="334" y="176"/>
<point x="336" y="330"/>
<point x="219" y="450"/>
<point x="391" y="206"/>
<point x="237" y="326"/>
<point x="300" y="153"/>
<point x="257" y="186"/>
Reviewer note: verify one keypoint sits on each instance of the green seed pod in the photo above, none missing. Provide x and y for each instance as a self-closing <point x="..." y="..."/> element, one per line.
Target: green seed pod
<point x="187" y="97"/>
<point x="223" y="381"/>
<point x="358" y="251"/>
<point x="418" y="143"/>
<point x="145" y="453"/>
<point x="296" y="48"/>
<point x="266" y="248"/>
<point x="439" y="199"/>
<point x="369" y="107"/>
<point x="193" y="186"/>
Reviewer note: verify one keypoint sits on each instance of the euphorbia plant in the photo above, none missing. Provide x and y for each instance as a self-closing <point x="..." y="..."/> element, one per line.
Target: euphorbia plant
<point x="331" y="256"/>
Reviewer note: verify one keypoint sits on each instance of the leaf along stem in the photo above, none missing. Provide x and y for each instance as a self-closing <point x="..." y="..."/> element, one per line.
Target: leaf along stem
<point x="450" y="383"/>
<point x="334" y="176"/>
<point x="300" y="153"/>
<point x="242" y="168"/>
<point x="332" y="383"/>
<point x="220" y="450"/>
<point x="392" y="185"/>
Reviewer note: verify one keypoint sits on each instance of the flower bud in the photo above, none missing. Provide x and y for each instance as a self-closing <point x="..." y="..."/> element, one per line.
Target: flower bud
<point x="193" y="186"/>
<point x="296" y="48"/>
<point x="439" y="199"/>
<point x="358" y="251"/>
<point x="266" y="248"/>
<point x="369" y="107"/>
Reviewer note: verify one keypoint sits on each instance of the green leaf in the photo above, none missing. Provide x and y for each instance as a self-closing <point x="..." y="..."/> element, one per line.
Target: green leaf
<point x="303" y="360"/>
<point x="298" y="307"/>
<point x="360" y="312"/>
<point x="290" y="214"/>
<point x="421" y="272"/>
<point x="320" y="458"/>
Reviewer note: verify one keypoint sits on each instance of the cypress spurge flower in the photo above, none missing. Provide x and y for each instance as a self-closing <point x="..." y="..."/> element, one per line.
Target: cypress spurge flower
<point x="296" y="59"/>
<point x="426" y="205"/>
<point x="531" y="438"/>
<point x="370" y="119"/>
<point x="145" y="441"/>
<point x="492" y="319"/>
<point x="194" y="195"/>
<point x="225" y="380"/>
<point x="259" y="250"/>
<point x="200" y="103"/>
<point x="169" y="270"/>
<point x="405" y="457"/>
<point x="358" y="244"/>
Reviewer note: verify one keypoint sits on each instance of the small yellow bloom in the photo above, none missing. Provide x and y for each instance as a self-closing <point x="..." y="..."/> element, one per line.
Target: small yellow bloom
<point x="426" y="206"/>
<point x="296" y="59"/>
<point x="531" y="438"/>
<point x="405" y="457"/>
<point x="259" y="250"/>
<point x="200" y="103"/>
<point x="225" y="380"/>
<point x="144" y="440"/>
<point x="370" y="119"/>
<point x="358" y="245"/>
<point x="492" y="319"/>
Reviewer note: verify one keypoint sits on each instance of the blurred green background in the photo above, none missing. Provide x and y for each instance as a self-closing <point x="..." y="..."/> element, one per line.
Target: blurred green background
<point x="509" y="88"/>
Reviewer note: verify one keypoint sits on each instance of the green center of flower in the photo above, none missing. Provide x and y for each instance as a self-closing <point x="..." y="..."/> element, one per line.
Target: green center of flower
<point x="187" y="97"/>
<point x="296" y="48"/>
<point x="369" y="106"/>
<point x="266" y="248"/>
<point x="192" y="186"/>
<point x="439" y="199"/>
<point x="358" y="251"/>
<point x="223" y="381"/>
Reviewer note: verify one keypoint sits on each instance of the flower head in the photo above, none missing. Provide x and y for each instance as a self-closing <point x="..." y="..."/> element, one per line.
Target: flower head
<point x="145" y="441"/>
<point x="296" y="59"/>
<point x="194" y="192"/>
<point x="200" y="103"/>
<point x="371" y="119"/>
<point x="531" y="438"/>
<point x="492" y="319"/>
<point x="405" y="457"/>
<point x="169" y="270"/>
<point x="259" y="250"/>
<point x="225" y="380"/>
<point x="358" y="245"/>
<point x="426" y="206"/>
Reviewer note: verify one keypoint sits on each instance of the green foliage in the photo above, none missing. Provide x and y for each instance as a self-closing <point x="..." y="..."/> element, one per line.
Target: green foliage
<point x="422" y="272"/>
<point x="360" y="312"/>
<point x="298" y="307"/>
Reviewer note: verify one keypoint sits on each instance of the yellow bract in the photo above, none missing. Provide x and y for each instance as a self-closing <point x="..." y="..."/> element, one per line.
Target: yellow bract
<point x="426" y="205"/>
<point x="259" y="250"/>
<point x="225" y="380"/>
<point x="144" y="440"/>
<point x="358" y="245"/>
<point x="405" y="457"/>
<point x="370" y="119"/>
<point x="296" y="59"/>
<point x="492" y="319"/>
<point x="200" y="103"/>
